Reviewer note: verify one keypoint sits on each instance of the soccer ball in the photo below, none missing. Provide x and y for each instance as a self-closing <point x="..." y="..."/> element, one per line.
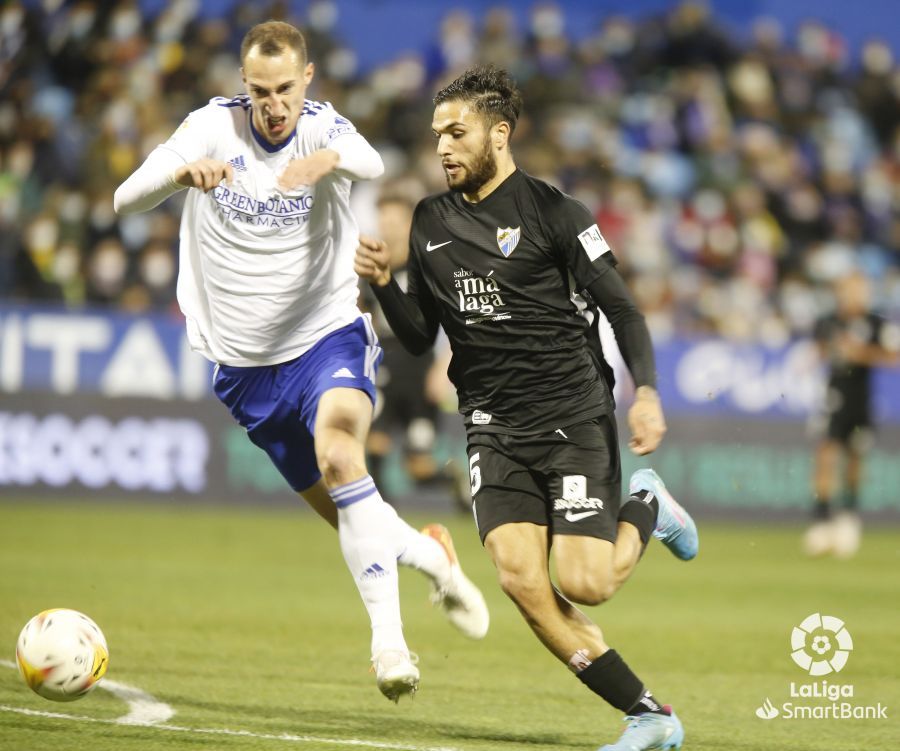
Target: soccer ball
<point x="62" y="654"/>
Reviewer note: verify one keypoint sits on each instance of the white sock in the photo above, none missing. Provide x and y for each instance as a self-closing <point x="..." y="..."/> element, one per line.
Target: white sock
<point x="423" y="553"/>
<point x="367" y="531"/>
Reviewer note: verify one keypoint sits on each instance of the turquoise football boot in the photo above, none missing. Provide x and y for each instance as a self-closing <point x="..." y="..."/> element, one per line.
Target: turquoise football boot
<point x="649" y="731"/>
<point x="674" y="527"/>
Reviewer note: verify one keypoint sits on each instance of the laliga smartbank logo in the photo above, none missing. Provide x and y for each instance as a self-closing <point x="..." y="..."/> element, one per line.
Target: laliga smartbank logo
<point x="821" y="645"/>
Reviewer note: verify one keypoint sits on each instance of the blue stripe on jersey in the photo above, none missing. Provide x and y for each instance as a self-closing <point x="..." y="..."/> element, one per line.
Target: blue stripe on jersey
<point x="312" y="108"/>
<point x="272" y="148"/>
<point x="241" y="100"/>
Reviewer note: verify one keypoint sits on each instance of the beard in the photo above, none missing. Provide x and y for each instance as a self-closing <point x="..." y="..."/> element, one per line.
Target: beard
<point x="482" y="170"/>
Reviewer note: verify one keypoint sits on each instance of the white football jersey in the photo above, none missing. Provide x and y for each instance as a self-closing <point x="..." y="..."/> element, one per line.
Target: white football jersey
<point x="264" y="274"/>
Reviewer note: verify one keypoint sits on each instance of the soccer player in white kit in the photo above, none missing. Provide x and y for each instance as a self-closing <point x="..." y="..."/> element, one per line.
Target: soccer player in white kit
<point x="267" y="287"/>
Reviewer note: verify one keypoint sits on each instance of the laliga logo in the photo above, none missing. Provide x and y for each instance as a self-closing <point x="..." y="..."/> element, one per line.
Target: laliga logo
<point x="821" y="644"/>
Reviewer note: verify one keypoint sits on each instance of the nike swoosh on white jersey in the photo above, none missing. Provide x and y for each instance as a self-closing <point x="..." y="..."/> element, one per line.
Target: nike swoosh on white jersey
<point x="429" y="247"/>
<point x="570" y="517"/>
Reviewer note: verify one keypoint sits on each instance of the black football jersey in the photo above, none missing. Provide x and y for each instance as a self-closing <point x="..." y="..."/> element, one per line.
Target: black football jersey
<point x="852" y="381"/>
<point x="499" y="276"/>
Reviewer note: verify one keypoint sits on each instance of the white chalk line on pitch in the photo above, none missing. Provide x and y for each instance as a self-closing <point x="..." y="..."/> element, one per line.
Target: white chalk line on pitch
<point x="286" y="737"/>
<point x="145" y="711"/>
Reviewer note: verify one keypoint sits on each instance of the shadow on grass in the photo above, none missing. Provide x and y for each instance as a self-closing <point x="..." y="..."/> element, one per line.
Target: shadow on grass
<point x="369" y="723"/>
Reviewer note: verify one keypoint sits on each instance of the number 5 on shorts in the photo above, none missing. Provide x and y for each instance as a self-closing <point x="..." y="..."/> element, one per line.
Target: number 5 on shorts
<point x="475" y="472"/>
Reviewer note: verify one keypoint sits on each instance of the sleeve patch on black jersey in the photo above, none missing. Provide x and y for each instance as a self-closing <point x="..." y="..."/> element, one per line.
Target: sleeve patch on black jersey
<point x="593" y="243"/>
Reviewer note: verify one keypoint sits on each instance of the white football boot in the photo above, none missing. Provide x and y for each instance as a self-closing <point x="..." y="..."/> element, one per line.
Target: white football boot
<point x="396" y="673"/>
<point x="847" y="534"/>
<point x="459" y="598"/>
<point x="818" y="540"/>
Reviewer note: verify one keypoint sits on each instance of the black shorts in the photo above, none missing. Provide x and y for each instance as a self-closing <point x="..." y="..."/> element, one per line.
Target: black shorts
<point x="852" y="429"/>
<point x="848" y="418"/>
<point x="568" y="480"/>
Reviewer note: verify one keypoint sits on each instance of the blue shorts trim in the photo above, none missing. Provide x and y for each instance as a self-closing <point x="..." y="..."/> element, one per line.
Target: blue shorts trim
<point x="277" y="404"/>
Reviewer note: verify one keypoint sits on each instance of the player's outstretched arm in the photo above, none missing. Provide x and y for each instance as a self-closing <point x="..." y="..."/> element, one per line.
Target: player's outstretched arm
<point x="309" y="170"/>
<point x="350" y="155"/>
<point x="645" y="417"/>
<point x="150" y="184"/>
<point x="357" y="159"/>
<point x="415" y="329"/>
<point x="884" y="353"/>
<point x="204" y="174"/>
<point x="164" y="173"/>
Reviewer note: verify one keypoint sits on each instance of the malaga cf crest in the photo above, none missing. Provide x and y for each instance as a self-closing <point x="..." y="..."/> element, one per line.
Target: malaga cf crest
<point x="507" y="239"/>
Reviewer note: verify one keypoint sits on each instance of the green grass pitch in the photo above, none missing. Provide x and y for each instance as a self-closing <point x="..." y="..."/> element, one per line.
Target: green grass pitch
<point x="249" y="622"/>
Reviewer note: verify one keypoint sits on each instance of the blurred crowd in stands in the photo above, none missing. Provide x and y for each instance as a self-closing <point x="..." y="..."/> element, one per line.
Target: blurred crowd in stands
<point x="734" y="180"/>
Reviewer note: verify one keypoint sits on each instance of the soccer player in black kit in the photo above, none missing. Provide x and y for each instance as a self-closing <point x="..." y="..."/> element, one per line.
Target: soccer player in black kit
<point x="852" y="341"/>
<point x="496" y="261"/>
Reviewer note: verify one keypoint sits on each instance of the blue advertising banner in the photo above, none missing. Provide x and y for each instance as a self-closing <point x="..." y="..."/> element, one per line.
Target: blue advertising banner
<point x="716" y="377"/>
<point x="112" y="354"/>
<point x="120" y="355"/>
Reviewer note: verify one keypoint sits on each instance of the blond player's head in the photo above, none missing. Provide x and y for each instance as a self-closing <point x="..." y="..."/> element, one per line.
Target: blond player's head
<point x="276" y="73"/>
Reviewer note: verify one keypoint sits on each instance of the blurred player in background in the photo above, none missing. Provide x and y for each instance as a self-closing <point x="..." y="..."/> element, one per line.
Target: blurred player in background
<point x="495" y="262"/>
<point x="407" y="397"/>
<point x="266" y="284"/>
<point x="851" y="341"/>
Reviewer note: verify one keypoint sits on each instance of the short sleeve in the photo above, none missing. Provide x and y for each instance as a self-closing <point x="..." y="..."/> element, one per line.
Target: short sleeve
<point x="578" y="239"/>
<point x="195" y="138"/>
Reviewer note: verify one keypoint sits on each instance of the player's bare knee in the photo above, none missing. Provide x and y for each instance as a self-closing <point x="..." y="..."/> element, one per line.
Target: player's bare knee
<point x="340" y="461"/>
<point x="343" y="421"/>
<point x="584" y="589"/>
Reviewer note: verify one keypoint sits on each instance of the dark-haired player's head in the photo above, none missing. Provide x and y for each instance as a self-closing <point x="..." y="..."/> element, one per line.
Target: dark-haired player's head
<point x="474" y="119"/>
<point x="276" y="73"/>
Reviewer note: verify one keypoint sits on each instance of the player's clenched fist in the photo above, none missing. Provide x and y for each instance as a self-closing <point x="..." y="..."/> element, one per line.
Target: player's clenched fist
<point x="645" y="418"/>
<point x="205" y="174"/>
<point x="372" y="261"/>
<point x="308" y="171"/>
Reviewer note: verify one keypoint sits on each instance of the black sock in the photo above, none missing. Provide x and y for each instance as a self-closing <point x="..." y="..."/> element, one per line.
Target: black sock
<point x="641" y="510"/>
<point x="821" y="510"/>
<point x="851" y="499"/>
<point x="612" y="680"/>
<point x="647" y="703"/>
